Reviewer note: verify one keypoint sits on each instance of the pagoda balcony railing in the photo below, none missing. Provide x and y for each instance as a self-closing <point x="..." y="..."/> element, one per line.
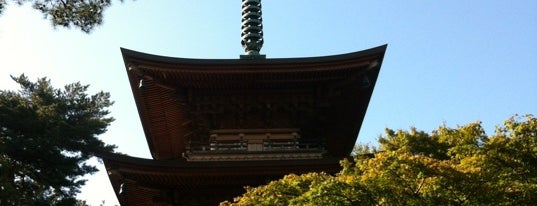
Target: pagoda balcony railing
<point x="267" y="146"/>
<point x="244" y="151"/>
<point x="254" y="144"/>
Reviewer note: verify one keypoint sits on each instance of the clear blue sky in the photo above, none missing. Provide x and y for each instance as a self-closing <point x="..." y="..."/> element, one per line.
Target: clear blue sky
<point x="447" y="61"/>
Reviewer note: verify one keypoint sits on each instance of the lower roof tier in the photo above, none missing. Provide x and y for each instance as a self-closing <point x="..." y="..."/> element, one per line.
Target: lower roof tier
<point x="138" y="181"/>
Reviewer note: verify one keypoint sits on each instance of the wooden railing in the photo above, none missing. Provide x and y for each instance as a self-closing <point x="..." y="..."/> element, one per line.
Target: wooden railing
<point x="254" y="140"/>
<point x="243" y="146"/>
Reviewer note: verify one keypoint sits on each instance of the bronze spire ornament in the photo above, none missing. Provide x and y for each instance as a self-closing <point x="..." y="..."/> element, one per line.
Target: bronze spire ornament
<point x="252" y="29"/>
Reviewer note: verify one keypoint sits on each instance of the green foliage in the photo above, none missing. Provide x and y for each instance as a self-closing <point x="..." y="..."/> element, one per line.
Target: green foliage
<point x="450" y="166"/>
<point x="83" y="14"/>
<point x="46" y="136"/>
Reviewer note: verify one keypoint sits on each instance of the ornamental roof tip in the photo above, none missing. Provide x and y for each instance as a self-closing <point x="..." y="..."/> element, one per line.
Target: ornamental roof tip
<point x="252" y="29"/>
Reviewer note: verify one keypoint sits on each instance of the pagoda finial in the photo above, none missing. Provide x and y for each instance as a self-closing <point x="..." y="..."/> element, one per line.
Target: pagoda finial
<point x="252" y="28"/>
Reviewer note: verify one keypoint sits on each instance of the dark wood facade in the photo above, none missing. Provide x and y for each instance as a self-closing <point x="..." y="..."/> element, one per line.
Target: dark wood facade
<point x="214" y="126"/>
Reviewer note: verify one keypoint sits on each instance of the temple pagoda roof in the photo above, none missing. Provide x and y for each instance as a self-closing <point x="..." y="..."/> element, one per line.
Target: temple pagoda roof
<point x="325" y="100"/>
<point x="162" y="84"/>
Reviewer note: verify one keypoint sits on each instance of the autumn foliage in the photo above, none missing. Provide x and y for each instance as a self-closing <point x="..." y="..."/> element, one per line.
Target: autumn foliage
<point x="449" y="166"/>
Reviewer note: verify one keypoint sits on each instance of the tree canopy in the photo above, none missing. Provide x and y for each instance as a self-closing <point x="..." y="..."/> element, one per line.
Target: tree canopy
<point x="83" y="14"/>
<point x="449" y="166"/>
<point x="46" y="136"/>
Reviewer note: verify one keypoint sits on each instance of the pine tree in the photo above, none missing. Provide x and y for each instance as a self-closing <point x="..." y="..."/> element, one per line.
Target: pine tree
<point x="46" y="137"/>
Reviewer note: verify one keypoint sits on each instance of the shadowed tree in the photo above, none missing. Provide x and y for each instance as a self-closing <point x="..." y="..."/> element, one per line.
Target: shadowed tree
<point x="46" y="137"/>
<point x="83" y="14"/>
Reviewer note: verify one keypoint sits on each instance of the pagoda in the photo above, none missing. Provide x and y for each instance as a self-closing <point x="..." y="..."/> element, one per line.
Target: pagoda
<point x="214" y="126"/>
